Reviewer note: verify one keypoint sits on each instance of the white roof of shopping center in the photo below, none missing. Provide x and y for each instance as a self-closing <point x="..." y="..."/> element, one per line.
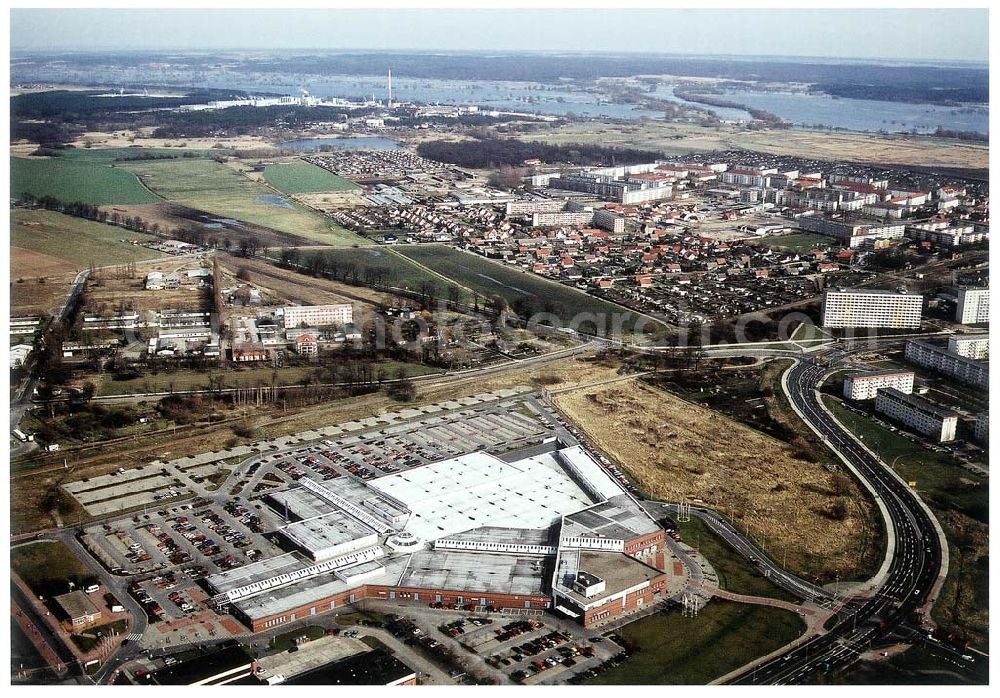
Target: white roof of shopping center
<point x="477" y="490"/>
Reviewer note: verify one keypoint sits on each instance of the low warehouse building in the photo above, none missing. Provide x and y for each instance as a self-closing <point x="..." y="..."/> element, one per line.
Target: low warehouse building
<point x="80" y="611"/>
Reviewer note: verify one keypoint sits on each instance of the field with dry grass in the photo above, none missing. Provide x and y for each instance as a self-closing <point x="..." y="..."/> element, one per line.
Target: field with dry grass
<point x="142" y="137"/>
<point x="290" y="287"/>
<point x="679" y="139"/>
<point x="107" y="291"/>
<point x="27" y="296"/>
<point x="676" y="450"/>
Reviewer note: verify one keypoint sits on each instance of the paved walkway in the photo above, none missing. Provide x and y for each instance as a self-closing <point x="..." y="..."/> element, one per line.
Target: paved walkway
<point x="429" y="673"/>
<point x="762" y="601"/>
<point x="31" y="632"/>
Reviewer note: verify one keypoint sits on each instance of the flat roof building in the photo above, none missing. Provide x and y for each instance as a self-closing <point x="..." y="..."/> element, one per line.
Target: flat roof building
<point x="375" y="668"/>
<point x="971" y="346"/>
<point x="871" y="308"/>
<point x="851" y="234"/>
<point x="865" y="385"/>
<point x="973" y="306"/>
<point x="317" y="315"/>
<point x="598" y="586"/>
<point x="214" y="668"/>
<point x="937" y="358"/>
<point x="471" y="531"/>
<point x="982" y="427"/>
<point x="917" y="413"/>
<point x="80" y="611"/>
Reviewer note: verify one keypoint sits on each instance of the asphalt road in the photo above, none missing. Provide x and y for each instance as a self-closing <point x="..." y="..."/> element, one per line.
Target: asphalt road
<point x="809" y="593"/>
<point x="894" y="606"/>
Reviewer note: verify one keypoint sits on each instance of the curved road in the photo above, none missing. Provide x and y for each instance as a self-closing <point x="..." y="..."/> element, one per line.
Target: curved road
<point x="905" y="586"/>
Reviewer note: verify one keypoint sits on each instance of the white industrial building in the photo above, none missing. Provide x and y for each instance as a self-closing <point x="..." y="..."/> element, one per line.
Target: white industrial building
<point x="865" y="385"/>
<point x="972" y="346"/>
<point x="942" y="360"/>
<point x="318" y="315"/>
<point x="473" y="529"/>
<point x="917" y="413"/>
<point x="973" y="306"/>
<point x="478" y="490"/>
<point x="868" y="308"/>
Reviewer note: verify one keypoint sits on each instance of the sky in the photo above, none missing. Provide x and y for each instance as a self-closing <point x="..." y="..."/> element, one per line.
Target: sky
<point x="926" y="34"/>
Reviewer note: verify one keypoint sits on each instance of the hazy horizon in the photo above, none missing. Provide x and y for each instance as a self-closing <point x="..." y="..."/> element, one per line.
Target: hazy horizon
<point x="918" y="35"/>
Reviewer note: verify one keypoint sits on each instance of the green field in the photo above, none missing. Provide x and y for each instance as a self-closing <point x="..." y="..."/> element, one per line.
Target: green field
<point x="109" y="155"/>
<point x="75" y="239"/>
<point x="211" y="186"/>
<point x="403" y="273"/>
<point x="297" y="177"/>
<point x="735" y="573"/>
<point x="807" y="332"/>
<point x="723" y="637"/>
<point x="941" y="482"/>
<point x="72" y="179"/>
<point x="285" y="641"/>
<point x="525" y="293"/>
<point x="48" y="568"/>
<point x="798" y="242"/>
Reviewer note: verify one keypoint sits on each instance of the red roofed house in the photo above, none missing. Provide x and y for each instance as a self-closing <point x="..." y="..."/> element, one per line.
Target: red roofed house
<point x="643" y="281"/>
<point x="306" y="344"/>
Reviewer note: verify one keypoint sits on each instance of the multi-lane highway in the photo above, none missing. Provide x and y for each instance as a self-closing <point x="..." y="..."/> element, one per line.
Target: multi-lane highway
<point x="916" y="558"/>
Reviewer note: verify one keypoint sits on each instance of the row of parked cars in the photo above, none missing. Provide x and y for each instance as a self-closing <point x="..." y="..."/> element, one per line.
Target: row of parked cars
<point x="457" y="627"/>
<point x="148" y="603"/>
<point x="244" y="516"/>
<point x="228" y="533"/>
<point x="192" y="534"/>
<point x="518" y="627"/>
<point x="321" y="469"/>
<point x="168" y="546"/>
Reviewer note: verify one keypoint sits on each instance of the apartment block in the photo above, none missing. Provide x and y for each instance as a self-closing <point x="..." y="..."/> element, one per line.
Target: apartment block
<point x="864" y="308"/>
<point x="852" y="234"/>
<point x="973" y="306"/>
<point x="919" y="414"/>
<point x="610" y="221"/>
<point x="866" y="384"/>
<point x="945" y="234"/>
<point x="972" y="346"/>
<point x="318" y="315"/>
<point x="982" y="427"/>
<point x="942" y="360"/>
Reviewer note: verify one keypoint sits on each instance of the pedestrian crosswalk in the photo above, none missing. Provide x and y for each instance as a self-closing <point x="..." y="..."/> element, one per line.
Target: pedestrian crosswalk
<point x="134" y="637"/>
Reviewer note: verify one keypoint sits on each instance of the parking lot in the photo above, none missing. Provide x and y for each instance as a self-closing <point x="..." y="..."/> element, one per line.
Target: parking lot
<point x="127" y="489"/>
<point x="497" y="428"/>
<point x="208" y="535"/>
<point x="170" y="543"/>
<point x="529" y="650"/>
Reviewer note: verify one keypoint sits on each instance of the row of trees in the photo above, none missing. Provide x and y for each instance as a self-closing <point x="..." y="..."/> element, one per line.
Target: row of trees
<point x="89" y="212"/>
<point x="484" y="151"/>
<point x="327" y="265"/>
